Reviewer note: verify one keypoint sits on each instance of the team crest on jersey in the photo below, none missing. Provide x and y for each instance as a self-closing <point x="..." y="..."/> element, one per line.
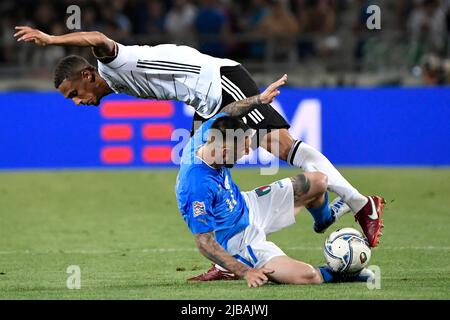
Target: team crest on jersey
<point x="199" y="208"/>
<point x="262" y="191"/>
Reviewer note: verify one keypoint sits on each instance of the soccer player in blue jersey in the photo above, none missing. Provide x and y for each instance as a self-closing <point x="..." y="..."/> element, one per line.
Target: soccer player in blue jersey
<point x="230" y="226"/>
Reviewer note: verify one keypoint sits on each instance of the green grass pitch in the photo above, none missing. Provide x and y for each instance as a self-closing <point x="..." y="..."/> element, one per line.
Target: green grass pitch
<point x="123" y="230"/>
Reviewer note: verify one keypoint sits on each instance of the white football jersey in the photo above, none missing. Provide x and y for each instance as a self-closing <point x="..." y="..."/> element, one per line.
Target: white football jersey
<point x="167" y="72"/>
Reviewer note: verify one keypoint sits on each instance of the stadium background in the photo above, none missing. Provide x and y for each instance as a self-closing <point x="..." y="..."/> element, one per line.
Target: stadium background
<point x="375" y="102"/>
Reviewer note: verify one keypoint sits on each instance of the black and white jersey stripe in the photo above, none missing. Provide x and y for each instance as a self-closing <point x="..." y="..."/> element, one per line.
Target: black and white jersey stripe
<point x="168" y="66"/>
<point x="233" y="90"/>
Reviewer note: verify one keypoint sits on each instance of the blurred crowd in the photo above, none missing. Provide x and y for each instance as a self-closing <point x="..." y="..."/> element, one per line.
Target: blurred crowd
<point x="238" y="29"/>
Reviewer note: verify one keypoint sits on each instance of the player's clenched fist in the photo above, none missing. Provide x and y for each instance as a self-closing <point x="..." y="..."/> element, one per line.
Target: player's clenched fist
<point x="257" y="277"/>
<point x="28" y="34"/>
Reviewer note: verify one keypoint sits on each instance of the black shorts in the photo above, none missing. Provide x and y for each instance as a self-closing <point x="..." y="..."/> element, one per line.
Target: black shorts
<point x="237" y="84"/>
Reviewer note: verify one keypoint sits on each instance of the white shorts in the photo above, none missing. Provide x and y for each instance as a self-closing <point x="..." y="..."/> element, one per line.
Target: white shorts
<point x="271" y="208"/>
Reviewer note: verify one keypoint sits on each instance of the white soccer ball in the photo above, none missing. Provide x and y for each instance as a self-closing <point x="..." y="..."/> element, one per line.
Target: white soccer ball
<point x="347" y="250"/>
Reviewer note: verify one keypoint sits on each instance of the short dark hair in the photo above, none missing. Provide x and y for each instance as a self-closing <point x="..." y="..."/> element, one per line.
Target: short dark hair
<point x="68" y="67"/>
<point x="227" y="124"/>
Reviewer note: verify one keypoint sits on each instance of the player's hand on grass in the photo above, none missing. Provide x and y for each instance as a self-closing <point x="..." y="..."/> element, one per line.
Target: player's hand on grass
<point x="28" y="34"/>
<point x="257" y="277"/>
<point x="272" y="90"/>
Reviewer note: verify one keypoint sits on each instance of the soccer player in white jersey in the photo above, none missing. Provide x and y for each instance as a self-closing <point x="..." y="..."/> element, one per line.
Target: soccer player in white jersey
<point x="206" y="83"/>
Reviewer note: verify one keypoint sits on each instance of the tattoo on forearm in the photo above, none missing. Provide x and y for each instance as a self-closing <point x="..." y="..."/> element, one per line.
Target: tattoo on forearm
<point x="209" y="247"/>
<point x="242" y="106"/>
<point x="301" y="186"/>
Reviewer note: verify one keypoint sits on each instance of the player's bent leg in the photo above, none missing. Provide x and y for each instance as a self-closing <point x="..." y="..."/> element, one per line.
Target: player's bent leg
<point x="309" y="188"/>
<point x="368" y="210"/>
<point x="309" y="159"/>
<point x="298" y="153"/>
<point x="291" y="271"/>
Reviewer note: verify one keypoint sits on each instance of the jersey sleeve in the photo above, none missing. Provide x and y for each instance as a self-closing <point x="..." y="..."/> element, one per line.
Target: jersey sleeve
<point x="122" y="58"/>
<point x="199" y="214"/>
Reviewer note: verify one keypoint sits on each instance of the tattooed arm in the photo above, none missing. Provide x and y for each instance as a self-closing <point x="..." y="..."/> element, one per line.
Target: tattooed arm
<point x="243" y="106"/>
<point x="209" y="247"/>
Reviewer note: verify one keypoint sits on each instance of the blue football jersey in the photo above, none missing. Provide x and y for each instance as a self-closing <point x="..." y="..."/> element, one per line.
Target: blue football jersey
<point x="208" y="198"/>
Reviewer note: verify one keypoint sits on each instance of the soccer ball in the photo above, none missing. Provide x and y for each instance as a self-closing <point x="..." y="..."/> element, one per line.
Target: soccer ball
<point x="347" y="250"/>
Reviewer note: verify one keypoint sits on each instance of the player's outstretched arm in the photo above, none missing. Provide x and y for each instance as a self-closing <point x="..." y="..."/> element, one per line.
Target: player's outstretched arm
<point x="101" y="44"/>
<point x="243" y="106"/>
<point x="209" y="247"/>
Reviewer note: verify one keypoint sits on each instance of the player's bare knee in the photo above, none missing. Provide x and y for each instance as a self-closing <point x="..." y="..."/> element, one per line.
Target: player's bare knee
<point x="316" y="277"/>
<point x="311" y="276"/>
<point x="301" y="184"/>
<point x="318" y="181"/>
<point x="321" y="182"/>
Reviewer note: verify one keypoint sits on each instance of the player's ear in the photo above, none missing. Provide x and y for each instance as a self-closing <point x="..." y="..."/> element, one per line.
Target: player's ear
<point x="88" y="74"/>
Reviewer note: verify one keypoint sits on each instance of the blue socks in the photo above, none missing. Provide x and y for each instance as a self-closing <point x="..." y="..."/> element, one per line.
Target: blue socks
<point x="327" y="275"/>
<point x="322" y="215"/>
<point x="330" y="276"/>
